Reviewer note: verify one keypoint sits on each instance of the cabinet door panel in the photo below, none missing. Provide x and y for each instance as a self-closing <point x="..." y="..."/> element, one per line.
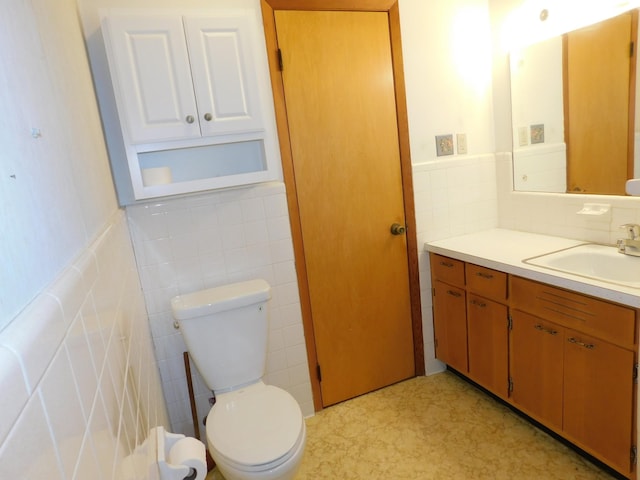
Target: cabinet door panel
<point x="224" y="77"/>
<point x="148" y="56"/>
<point x="450" y="325"/>
<point x="536" y="367"/>
<point x="598" y="398"/>
<point x="488" y="343"/>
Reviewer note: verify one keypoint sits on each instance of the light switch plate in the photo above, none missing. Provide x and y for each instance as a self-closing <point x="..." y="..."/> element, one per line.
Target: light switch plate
<point x="444" y="145"/>
<point x="461" y="140"/>
<point x="523" y="138"/>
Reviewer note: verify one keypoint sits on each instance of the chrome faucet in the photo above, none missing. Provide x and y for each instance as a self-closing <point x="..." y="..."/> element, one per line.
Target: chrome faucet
<point x="631" y="244"/>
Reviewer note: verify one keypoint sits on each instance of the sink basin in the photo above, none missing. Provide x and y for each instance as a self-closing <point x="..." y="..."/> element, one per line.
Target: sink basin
<point x="599" y="262"/>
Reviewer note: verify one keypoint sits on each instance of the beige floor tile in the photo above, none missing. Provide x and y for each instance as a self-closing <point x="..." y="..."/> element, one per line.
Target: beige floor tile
<point x="437" y="427"/>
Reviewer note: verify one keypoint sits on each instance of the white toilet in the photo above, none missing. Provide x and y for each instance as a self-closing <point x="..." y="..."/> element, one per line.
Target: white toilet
<point x="254" y="431"/>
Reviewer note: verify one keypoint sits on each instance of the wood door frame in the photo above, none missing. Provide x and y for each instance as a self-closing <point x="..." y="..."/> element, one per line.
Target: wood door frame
<point x="391" y="8"/>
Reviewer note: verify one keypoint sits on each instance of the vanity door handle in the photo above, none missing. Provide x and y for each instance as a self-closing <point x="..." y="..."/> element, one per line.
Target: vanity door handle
<point x="589" y="346"/>
<point x="453" y="293"/>
<point x="545" y="330"/>
<point x="487" y="276"/>
<point x="478" y="303"/>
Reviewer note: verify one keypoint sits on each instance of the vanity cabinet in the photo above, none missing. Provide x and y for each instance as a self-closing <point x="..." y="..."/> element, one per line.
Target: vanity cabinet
<point x="189" y="99"/>
<point x="536" y="368"/>
<point x="565" y="359"/>
<point x="450" y="314"/>
<point x="470" y="323"/>
<point x="487" y="328"/>
<point x="573" y="367"/>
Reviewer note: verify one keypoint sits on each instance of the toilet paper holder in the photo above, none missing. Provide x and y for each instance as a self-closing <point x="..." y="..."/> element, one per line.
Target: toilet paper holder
<point x="170" y="457"/>
<point x="165" y="456"/>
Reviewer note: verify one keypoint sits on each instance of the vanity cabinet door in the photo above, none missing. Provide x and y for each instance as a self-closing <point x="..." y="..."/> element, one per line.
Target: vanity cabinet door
<point x="598" y="397"/>
<point x="536" y="367"/>
<point x="450" y="325"/>
<point x="488" y="329"/>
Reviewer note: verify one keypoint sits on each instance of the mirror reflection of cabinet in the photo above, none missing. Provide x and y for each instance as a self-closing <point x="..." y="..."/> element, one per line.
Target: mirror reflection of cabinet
<point x="574" y="113"/>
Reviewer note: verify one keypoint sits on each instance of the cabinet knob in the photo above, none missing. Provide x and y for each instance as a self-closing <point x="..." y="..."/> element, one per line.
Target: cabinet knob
<point x="190" y="119"/>
<point x="208" y="117"/>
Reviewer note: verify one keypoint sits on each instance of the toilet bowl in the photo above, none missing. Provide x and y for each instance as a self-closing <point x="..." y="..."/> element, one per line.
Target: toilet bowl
<point x="254" y="430"/>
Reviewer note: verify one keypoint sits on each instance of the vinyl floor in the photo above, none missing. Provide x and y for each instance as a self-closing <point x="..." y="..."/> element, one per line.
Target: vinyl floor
<point x="438" y="427"/>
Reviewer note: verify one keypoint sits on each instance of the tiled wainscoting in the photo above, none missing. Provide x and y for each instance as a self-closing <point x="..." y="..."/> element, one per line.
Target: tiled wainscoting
<point x="202" y="241"/>
<point x="556" y="213"/>
<point x="80" y="381"/>
<point x="452" y="197"/>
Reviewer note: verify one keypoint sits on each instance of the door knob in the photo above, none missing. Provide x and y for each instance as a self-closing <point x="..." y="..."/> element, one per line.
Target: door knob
<point x="397" y="229"/>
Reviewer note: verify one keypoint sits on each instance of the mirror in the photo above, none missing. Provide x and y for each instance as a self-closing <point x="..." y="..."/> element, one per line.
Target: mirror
<point x="573" y="110"/>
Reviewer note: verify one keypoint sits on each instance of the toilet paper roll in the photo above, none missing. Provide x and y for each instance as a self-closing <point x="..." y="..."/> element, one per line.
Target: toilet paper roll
<point x="156" y="176"/>
<point x="189" y="452"/>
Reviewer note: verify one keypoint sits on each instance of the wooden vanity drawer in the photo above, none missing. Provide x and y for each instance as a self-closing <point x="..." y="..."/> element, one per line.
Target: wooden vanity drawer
<point x="448" y="270"/>
<point x="592" y="316"/>
<point x="486" y="282"/>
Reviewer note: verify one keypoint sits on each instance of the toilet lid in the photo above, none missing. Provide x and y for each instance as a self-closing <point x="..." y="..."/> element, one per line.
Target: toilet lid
<point x="254" y="426"/>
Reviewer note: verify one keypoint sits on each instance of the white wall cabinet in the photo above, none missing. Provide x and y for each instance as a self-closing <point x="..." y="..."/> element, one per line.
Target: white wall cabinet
<point x="189" y="101"/>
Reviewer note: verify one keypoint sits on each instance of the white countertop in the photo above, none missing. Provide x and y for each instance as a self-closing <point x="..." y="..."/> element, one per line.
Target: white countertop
<point x="505" y="250"/>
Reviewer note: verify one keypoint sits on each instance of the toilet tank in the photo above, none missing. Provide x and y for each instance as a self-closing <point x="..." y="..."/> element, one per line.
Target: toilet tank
<point x="225" y="329"/>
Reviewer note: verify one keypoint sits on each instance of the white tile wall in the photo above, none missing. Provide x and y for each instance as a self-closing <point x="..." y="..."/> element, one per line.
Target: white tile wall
<point x="556" y="214"/>
<point x="80" y="383"/>
<point x="452" y="197"/>
<point x="190" y="243"/>
<point x="55" y="189"/>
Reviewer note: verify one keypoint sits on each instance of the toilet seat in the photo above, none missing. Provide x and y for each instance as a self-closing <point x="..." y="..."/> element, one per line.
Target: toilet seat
<point x="255" y="428"/>
<point x="273" y="467"/>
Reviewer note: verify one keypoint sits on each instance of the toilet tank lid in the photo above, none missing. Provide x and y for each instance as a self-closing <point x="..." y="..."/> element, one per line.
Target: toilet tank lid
<point x="220" y="299"/>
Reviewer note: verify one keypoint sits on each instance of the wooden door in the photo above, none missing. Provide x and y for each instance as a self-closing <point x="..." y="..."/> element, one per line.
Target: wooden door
<point x="450" y="325"/>
<point x="600" y="106"/>
<point x="487" y="324"/>
<point x="338" y="82"/>
<point x="148" y="55"/>
<point x="598" y="398"/>
<point x="537" y="367"/>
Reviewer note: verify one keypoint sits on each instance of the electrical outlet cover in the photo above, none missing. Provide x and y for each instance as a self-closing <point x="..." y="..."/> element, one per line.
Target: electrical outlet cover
<point x="444" y="145"/>
<point x="537" y="134"/>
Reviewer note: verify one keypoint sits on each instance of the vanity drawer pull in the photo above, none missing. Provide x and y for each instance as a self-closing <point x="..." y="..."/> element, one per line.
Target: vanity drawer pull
<point x="446" y="264"/>
<point x="486" y="276"/>
<point x="454" y="293"/>
<point x="546" y="330"/>
<point x="478" y="303"/>
<point x="590" y="346"/>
